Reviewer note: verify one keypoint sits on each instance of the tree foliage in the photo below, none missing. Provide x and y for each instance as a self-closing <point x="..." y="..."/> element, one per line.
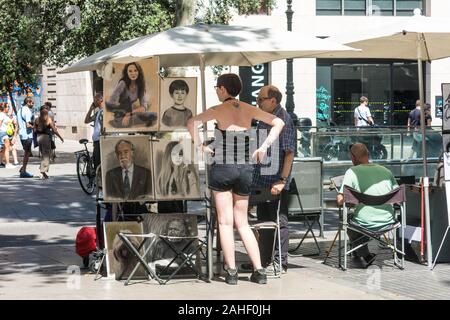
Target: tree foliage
<point x="57" y="32"/>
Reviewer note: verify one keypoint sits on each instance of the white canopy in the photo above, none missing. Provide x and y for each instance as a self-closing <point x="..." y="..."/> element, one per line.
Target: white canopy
<point x="219" y="45"/>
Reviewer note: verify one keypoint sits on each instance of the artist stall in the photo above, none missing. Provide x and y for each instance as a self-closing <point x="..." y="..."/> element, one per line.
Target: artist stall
<point x="157" y="109"/>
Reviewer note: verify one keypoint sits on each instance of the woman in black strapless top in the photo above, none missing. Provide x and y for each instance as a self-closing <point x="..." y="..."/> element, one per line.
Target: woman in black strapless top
<point x="230" y="177"/>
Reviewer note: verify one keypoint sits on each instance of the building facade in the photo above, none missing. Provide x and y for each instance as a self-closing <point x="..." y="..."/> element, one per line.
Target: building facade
<point x="325" y="90"/>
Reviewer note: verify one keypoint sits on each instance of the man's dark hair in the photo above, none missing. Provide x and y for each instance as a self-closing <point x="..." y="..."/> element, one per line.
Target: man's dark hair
<point x="25" y="102"/>
<point x="2" y="108"/>
<point x="48" y="104"/>
<point x="273" y="92"/>
<point x="178" y="85"/>
<point x="231" y="82"/>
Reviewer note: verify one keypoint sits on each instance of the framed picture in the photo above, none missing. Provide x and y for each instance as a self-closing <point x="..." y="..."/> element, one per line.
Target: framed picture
<point x="176" y="174"/>
<point x="131" y="97"/>
<point x="178" y="102"/>
<point x="161" y="254"/>
<point x="126" y="168"/>
<point x="120" y="262"/>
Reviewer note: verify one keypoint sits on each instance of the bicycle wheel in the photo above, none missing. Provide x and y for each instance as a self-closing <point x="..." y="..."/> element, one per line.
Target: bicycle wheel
<point x="85" y="173"/>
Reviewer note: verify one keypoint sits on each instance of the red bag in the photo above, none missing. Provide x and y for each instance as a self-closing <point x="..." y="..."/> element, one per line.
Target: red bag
<point x="86" y="241"/>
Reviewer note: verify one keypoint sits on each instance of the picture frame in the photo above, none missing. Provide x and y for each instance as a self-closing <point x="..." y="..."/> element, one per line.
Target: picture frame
<point x="160" y="255"/>
<point x="131" y="97"/>
<point x="120" y="262"/>
<point x="176" y="173"/>
<point x="178" y="102"/>
<point x="127" y="169"/>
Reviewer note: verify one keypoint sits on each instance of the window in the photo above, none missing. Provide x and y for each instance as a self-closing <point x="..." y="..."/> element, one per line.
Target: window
<point x="391" y="86"/>
<point x="329" y="7"/>
<point x="354" y="7"/>
<point x="368" y="7"/>
<point x="406" y="7"/>
<point x="383" y="7"/>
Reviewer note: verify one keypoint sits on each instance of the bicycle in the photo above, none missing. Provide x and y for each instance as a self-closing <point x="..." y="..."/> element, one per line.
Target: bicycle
<point x="85" y="169"/>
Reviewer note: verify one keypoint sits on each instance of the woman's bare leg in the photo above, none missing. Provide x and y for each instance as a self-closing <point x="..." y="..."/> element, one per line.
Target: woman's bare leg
<point x="248" y="237"/>
<point x="224" y="208"/>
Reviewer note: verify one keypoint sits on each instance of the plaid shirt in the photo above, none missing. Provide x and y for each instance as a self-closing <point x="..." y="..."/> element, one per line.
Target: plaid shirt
<point x="285" y="142"/>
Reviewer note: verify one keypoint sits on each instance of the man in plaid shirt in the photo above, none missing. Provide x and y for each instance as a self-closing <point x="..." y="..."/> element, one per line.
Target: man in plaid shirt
<point x="276" y="175"/>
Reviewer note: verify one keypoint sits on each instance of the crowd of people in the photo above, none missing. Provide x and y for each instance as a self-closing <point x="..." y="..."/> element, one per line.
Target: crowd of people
<point x="18" y="122"/>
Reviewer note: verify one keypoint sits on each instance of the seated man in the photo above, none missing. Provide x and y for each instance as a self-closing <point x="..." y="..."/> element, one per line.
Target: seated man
<point x="371" y="179"/>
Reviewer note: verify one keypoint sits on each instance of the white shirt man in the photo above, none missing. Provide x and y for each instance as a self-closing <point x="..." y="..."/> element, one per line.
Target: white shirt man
<point x="363" y="117"/>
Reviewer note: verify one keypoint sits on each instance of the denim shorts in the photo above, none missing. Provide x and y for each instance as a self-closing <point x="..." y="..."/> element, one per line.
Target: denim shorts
<point x="231" y="177"/>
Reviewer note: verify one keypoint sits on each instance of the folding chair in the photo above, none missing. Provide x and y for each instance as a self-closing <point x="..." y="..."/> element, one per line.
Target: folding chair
<point x="150" y="237"/>
<point x="259" y="196"/>
<point x="296" y="213"/>
<point x="184" y="256"/>
<point x="335" y="184"/>
<point x="306" y="197"/>
<point x="352" y="198"/>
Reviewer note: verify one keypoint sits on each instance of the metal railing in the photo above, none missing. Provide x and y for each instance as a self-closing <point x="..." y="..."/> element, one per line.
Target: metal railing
<point x="393" y="147"/>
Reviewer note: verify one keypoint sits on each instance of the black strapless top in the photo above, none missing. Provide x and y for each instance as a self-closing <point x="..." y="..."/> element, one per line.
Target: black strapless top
<point x="231" y="147"/>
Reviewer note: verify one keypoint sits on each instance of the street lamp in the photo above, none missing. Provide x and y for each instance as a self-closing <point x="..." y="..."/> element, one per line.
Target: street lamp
<point x="290" y="106"/>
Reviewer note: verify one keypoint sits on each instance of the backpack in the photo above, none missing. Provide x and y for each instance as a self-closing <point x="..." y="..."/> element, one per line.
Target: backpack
<point x="10" y="129"/>
<point x="86" y="241"/>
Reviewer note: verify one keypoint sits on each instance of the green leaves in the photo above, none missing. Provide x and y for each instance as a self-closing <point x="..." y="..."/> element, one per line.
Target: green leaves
<point x="58" y="32"/>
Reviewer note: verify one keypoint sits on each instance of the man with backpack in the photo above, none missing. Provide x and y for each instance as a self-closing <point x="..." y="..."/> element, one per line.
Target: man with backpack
<point x="362" y="115"/>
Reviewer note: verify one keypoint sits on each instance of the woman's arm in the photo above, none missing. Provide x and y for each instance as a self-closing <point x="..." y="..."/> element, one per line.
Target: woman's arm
<point x="115" y="96"/>
<point x="55" y="130"/>
<point x="89" y="116"/>
<point x="277" y="125"/>
<point x="195" y="122"/>
<point x="35" y="125"/>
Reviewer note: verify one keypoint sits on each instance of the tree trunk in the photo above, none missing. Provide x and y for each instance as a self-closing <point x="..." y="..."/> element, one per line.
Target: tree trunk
<point x="184" y="17"/>
<point x="185" y="12"/>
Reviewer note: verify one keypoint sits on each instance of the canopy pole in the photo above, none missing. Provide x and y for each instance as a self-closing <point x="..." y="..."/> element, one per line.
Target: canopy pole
<point x="425" y="180"/>
<point x="210" y="226"/>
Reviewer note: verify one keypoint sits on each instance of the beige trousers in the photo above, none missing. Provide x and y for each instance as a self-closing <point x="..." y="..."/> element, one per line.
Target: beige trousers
<point x="45" y="149"/>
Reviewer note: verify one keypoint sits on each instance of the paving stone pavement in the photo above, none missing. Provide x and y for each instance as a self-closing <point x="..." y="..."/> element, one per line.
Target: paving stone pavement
<point x="39" y="221"/>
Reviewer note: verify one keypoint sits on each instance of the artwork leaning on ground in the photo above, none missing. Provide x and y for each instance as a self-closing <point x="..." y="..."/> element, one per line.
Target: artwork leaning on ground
<point x="183" y="230"/>
<point x="120" y="262"/>
<point x="132" y="97"/>
<point x="126" y="168"/>
<point x="178" y="102"/>
<point x="176" y="174"/>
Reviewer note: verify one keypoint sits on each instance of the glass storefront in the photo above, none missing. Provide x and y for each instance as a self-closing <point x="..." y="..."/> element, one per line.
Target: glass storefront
<point x="391" y="87"/>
